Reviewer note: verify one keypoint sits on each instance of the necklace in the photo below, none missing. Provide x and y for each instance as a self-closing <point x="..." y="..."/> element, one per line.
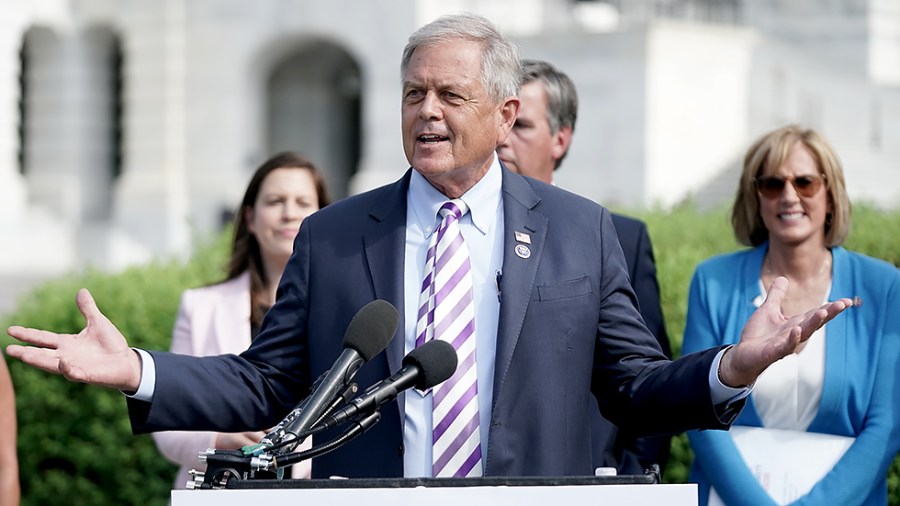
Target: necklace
<point x="824" y="268"/>
<point x="802" y="294"/>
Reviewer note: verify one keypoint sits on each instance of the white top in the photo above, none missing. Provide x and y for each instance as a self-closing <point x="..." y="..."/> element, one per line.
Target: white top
<point x="787" y="394"/>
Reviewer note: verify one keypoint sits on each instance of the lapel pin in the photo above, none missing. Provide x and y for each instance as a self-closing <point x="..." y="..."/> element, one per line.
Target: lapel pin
<point x="523" y="237"/>
<point x="522" y="251"/>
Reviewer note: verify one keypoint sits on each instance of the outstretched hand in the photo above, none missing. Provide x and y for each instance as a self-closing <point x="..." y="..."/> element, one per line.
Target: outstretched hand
<point x="98" y="355"/>
<point x="769" y="336"/>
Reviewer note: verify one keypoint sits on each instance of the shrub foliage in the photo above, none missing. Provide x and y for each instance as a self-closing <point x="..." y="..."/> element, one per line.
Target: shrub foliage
<point x="75" y="442"/>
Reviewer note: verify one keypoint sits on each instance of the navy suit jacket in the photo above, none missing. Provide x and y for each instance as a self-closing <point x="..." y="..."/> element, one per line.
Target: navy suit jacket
<point x="613" y="447"/>
<point x="568" y="327"/>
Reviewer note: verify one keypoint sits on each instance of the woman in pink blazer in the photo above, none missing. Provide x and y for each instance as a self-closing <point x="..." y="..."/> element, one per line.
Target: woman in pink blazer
<point x="223" y="318"/>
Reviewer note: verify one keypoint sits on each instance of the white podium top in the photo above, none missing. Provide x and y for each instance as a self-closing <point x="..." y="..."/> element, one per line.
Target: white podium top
<point x="608" y="495"/>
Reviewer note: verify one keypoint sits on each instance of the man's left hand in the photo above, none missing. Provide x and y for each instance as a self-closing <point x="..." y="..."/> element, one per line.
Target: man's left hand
<point x="769" y="336"/>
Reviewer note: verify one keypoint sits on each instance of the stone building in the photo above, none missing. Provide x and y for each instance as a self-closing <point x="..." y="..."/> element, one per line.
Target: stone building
<point x="130" y="126"/>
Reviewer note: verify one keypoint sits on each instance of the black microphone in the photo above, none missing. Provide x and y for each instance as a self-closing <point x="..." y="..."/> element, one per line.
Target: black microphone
<point x="368" y="334"/>
<point x="423" y="368"/>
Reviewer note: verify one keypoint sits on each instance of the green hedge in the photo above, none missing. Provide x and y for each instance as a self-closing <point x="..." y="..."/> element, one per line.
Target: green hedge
<point x="75" y="443"/>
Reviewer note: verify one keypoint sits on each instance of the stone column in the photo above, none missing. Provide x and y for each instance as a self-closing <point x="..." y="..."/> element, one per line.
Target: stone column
<point x="150" y="206"/>
<point x="884" y="42"/>
<point x="12" y="188"/>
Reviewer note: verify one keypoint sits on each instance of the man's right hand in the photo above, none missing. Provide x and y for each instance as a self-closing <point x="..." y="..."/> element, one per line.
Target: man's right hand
<point x="98" y="355"/>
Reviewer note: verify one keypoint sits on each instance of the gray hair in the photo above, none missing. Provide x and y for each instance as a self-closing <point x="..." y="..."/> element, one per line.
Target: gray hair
<point x="501" y="69"/>
<point x="562" y="99"/>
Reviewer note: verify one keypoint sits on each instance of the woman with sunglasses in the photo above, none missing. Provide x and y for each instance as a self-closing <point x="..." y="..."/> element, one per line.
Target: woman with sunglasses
<point x="838" y="388"/>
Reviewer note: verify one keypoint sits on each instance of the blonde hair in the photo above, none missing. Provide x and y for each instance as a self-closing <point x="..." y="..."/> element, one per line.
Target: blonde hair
<point x="771" y="150"/>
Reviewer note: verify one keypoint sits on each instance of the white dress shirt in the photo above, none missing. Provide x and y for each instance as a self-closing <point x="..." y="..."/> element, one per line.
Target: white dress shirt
<point x="482" y="229"/>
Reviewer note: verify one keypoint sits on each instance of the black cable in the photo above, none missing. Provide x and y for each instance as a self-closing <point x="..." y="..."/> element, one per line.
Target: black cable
<point x="358" y="428"/>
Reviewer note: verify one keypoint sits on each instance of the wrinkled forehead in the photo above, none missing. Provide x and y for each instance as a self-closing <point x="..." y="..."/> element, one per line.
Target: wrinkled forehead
<point x="467" y="50"/>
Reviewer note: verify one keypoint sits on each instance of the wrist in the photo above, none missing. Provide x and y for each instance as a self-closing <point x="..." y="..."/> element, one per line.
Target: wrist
<point x="726" y="374"/>
<point x="136" y="365"/>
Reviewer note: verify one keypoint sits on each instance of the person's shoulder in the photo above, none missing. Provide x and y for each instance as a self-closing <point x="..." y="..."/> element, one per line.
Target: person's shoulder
<point x="554" y="198"/>
<point x="377" y="201"/>
<point x="623" y="222"/>
<point x="873" y="268"/>
<point x="727" y="262"/>
<point x="237" y="284"/>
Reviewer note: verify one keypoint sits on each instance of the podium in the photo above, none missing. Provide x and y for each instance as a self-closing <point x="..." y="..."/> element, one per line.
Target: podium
<point x="628" y="490"/>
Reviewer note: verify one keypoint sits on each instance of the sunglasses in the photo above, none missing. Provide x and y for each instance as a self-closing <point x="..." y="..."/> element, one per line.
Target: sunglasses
<point x="771" y="187"/>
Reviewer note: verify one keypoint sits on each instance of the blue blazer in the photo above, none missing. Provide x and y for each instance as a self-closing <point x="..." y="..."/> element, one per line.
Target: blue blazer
<point x="859" y="397"/>
<point x="613" y="447"/>
<point x="568" y="327"/>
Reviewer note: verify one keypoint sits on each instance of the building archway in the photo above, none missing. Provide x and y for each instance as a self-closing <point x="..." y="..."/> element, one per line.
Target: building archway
<point x="313" y="105"/>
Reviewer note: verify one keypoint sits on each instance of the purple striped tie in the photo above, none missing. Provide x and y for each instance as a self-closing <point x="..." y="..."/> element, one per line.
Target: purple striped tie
<point x="447" y="312"/>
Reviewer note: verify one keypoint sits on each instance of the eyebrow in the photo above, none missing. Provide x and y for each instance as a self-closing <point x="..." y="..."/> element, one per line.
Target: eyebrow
<point x="438" y="85"/>
<point x="792" y="176"/>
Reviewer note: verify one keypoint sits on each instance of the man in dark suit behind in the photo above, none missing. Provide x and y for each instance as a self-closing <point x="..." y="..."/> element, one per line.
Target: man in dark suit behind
<point x="536" y="147"/>
<point x="560" y="327"/>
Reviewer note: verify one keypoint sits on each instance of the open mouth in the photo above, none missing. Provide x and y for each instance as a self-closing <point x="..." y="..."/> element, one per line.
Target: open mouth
<point x="431" y="138"/>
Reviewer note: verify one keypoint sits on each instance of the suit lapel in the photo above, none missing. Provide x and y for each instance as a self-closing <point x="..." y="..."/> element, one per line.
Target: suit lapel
<point x="517" y="285"/>
<point x="385" y="237"/>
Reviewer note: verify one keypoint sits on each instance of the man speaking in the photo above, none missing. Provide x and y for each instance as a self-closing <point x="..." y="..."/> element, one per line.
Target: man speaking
<point x="514" y="273"/>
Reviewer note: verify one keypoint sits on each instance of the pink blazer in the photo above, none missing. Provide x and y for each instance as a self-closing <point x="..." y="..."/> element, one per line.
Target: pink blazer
<point x="212" y="320"/>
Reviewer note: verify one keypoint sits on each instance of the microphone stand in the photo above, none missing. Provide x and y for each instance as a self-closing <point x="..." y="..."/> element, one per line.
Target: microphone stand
<point x="279" y="437"/>
<point x="368" y="334"/>
<point x="223" y="466"/>
<point x="360" y="426"/>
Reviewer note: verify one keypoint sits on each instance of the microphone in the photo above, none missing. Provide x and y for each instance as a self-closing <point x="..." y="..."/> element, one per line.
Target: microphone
<point x="368" y="334"/>
<point x="423" y="368"/>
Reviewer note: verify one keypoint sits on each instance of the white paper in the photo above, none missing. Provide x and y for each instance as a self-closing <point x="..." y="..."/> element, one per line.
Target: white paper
<point x="787" y="463"/>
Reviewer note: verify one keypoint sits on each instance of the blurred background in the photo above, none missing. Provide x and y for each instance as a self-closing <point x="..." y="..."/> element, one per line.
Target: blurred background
<point x="129" y="127"/>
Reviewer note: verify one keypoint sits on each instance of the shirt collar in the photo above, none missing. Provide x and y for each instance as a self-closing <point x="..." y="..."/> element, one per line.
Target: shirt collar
<point x="483" y="200"/>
